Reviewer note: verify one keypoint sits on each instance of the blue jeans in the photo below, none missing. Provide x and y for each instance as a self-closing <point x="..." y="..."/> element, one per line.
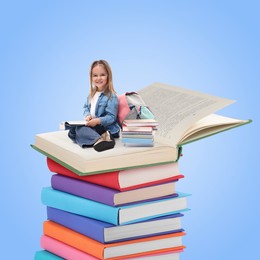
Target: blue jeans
<point x="86" y="136"/>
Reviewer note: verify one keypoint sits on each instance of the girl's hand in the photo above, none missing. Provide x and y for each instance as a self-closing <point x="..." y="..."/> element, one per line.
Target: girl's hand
<point x="87" y="118"/>
<point x="93" y="122"/>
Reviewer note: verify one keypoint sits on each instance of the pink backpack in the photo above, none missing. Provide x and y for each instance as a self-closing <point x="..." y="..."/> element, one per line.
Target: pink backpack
<point x="132" y="106"/>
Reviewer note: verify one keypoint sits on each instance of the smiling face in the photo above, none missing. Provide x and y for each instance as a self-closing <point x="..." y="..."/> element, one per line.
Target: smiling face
<point x="99" y="77"/>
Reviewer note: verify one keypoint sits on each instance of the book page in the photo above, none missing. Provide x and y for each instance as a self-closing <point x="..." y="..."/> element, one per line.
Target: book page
<point x="210" y="124"/>
<point x="177" y="109"/>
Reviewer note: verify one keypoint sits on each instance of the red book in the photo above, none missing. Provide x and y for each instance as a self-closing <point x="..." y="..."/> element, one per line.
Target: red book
<point x="125" y="179"/>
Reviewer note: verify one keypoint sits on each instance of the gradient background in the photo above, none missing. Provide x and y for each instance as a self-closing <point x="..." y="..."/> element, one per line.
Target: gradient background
<point x="209" y="46"/>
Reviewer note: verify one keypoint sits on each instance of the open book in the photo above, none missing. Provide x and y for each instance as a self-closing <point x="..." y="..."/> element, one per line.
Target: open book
<point x="183" y="116"/>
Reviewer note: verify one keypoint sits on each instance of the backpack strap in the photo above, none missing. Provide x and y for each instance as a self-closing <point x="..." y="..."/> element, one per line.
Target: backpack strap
<point x="123" y="108"/>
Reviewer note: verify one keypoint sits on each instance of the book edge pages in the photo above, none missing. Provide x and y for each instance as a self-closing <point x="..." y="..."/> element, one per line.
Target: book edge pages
<point x="75" y="158"/>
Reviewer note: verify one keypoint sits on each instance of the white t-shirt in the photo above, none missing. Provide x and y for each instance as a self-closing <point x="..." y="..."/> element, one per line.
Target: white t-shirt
<point x="94" y="103"/>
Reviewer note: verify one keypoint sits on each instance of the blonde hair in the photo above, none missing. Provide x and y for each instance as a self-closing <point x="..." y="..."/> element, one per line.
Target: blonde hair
<point x="109" y="88"/>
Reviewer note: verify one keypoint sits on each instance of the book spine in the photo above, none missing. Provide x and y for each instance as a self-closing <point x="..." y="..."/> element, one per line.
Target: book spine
<point x="83" y="189"/>
<point x="64" y="250"/>
<point x="73" y="239"/>
<point x="109" y="179"/>
<point x="86" y="226"/>
<point x="74" y="204"/>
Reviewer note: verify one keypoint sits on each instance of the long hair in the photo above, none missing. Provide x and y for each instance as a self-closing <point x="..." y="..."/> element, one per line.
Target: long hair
<point x="109" y="88"/>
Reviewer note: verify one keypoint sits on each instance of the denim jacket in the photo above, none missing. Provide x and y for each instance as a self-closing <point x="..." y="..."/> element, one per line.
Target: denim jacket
<point x="106" y="110"/>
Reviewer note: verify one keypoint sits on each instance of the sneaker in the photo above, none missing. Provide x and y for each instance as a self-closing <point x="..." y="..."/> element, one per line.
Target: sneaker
<point x="105" y="142"/>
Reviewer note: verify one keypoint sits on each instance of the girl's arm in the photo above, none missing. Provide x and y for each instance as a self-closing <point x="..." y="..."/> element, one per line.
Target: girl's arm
<point x="86" y="111"/>
<point x="111" y="111"/>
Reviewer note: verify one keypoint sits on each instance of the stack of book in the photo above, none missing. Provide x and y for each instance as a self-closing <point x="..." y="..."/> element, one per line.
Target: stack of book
<point x="114" y="215"/>
<point x="138" y="132"/>
<point x="122" y="203"/>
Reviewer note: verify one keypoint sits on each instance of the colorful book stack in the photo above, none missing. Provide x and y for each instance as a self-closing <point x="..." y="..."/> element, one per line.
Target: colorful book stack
<point x="122" y="203"/>
<point x="138" y="132"/>
<point x="130" y="214"/>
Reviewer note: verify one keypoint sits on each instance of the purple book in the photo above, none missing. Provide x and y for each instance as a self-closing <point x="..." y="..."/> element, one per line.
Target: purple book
<point x="110" y="196"/>
<point x="109" y="233"/>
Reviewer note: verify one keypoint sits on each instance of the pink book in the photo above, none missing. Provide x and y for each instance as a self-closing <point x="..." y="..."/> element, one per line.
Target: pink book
<point x="70" y="253"/>
<point x="65" y="251"/>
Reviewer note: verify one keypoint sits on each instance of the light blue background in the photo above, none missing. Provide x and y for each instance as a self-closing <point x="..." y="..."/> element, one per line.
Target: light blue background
<point x="210" y="46"/>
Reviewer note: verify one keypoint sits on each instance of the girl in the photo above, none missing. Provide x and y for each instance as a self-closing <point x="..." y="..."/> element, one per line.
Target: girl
<point x="100" y="111"/>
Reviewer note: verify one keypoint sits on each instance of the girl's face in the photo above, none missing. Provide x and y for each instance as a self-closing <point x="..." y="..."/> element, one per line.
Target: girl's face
<point x="99" y="77"/>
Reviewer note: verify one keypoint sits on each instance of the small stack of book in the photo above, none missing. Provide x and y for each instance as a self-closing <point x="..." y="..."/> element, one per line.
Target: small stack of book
<point x="138" y="132"/>
<point x="125" y="214"/>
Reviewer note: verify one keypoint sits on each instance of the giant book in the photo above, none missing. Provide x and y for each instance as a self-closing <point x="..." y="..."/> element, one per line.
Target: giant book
<point x="183" y="115"/>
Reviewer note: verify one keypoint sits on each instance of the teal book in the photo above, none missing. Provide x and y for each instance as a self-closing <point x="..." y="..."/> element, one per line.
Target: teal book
<point x="46" y="255"/>
<point x="133" y="140"/>
<point x="111" y="214"/>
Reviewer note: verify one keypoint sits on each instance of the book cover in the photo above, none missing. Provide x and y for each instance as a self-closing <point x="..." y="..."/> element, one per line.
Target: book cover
<point x="171" y="255"/>
<point x="110" y="196"/>
<point x="120" y="250"/>
<point x="190" y="119"/>
<point x="63" y="250"/>
<point x="114" y="215"/>
<point x="108" y="233"/>
<point x="46" y="255"/>
<point x="127" y="179"/>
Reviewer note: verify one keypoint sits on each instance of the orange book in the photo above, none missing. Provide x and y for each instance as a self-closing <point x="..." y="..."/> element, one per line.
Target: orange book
<point x="119" y="250"/>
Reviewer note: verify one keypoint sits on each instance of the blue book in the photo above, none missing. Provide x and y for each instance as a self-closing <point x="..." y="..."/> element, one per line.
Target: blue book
<point x="115" y="215"/>
<point x="132" y="140"/>
<point x="46" y="255"/>
<point x="109" y="233"/>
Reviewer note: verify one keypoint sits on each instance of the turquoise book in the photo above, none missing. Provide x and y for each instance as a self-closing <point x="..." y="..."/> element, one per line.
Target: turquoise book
<point x="46" y="255"/>
<point x="115" y="215"/>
